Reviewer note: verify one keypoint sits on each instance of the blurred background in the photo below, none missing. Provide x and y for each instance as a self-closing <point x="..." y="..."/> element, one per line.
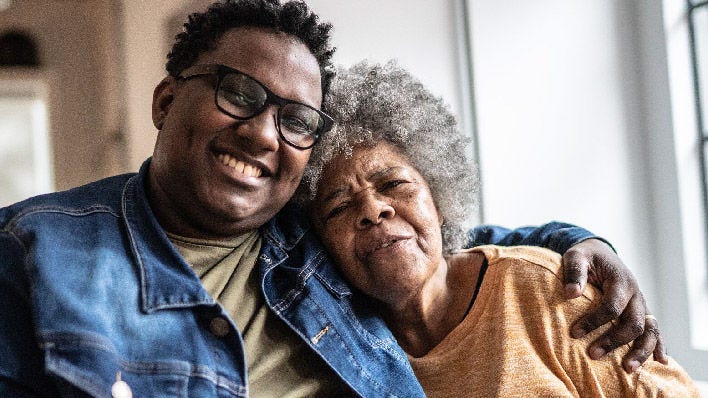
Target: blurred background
<point x="582" y="111"/>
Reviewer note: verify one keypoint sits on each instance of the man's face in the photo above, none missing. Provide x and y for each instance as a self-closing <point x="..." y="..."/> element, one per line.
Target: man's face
<point x="212" y="175"/>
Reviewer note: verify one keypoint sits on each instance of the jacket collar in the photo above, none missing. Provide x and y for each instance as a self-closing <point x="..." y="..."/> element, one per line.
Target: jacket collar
<point x="287" y="228"/>
<point x="166" y="280"/>
<point x="291" y="228"/>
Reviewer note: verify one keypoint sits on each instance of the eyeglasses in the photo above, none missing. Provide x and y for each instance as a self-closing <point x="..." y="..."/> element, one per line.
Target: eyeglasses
<point x="243" y="97"/>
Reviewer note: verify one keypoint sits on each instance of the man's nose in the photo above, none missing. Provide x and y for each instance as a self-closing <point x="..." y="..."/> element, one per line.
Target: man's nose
<point x="261" y="131"/>
<point x="373" y="210"/>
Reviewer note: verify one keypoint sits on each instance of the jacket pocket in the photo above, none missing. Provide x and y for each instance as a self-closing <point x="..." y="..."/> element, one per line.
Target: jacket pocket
<point x="89" y="364"/>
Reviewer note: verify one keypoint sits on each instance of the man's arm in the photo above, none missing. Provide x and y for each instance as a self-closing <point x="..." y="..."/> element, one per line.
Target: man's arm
<point x="555" y="235"/>
<point x="21" y="366"/>
<point x="587" y="257"/>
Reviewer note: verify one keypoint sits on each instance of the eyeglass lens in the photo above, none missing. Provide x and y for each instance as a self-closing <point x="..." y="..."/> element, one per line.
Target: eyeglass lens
<point x="243" y="97"/>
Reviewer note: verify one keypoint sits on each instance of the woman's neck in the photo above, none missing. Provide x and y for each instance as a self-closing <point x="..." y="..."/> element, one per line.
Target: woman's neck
<point x="430" y="314"/>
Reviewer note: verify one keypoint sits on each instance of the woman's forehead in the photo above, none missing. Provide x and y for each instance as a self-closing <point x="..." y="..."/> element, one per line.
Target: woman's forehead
<point x="365" y="164"/>
<point x="367" y="160"/>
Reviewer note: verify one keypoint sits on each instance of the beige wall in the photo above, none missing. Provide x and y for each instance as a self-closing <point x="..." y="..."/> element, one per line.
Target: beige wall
<point x="148" y="31"/>
<point x="77" y="51"/>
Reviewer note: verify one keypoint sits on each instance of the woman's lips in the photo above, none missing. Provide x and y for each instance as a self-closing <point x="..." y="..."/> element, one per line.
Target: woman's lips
<point x="384" y="243"/>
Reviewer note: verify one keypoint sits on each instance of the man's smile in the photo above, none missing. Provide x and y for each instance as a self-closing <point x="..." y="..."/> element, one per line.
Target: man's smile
<point x="240" y="166"/>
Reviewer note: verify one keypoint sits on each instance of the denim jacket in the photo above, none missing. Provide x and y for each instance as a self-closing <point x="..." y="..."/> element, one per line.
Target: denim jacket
<point x="92" y="291"/>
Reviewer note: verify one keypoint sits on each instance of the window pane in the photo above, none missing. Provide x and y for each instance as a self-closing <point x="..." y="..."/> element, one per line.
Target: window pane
<point x="700" y="19"/>
<point x="24" y="160"/>
<point x="705" y="173"/>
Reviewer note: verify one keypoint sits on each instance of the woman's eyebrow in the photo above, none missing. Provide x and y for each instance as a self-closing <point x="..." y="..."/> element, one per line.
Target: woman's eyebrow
<point x="341" y="190"/>
<point x="383" y="172"/>
<point x="337" y="192"/>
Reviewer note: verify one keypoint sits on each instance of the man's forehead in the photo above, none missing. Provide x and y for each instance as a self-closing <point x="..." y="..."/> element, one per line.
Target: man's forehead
<point x="279" y="60"/>
<point x="262" y="42"/>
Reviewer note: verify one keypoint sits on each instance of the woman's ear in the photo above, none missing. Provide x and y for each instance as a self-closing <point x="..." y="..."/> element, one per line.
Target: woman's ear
<point x="162" y="99"/>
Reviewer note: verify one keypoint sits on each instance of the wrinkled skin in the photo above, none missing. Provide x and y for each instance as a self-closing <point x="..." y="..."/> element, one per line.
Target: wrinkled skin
<point x="386" y="260"/>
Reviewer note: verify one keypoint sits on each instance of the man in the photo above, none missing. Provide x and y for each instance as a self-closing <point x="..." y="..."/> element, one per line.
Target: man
<point x="193" y="277"/>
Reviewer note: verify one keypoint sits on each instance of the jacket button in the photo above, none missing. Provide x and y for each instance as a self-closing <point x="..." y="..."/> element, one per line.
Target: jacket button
<point x="219" y="326"/>
<point x="120" y="389"/>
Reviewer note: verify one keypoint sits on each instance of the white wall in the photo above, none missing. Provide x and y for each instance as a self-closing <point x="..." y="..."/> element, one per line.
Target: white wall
<point x="558" y="119"/>
<point x="575" y="122"/>
<point x="422" y="35"/>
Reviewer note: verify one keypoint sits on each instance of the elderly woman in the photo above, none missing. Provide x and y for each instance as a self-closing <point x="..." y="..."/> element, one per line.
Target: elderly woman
<point x="490" y="321"/>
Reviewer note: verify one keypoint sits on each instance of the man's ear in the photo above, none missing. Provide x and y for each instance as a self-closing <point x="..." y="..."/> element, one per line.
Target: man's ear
<point x="162" y="99"/>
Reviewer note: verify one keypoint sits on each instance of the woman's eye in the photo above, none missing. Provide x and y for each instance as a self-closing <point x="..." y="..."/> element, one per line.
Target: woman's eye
<point x="336" y="211"/>
<point x="391" y="184"/>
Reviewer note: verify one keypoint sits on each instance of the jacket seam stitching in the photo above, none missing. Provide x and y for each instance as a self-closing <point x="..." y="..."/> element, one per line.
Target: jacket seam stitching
<point x="14" y="221"/>
<point x="302" y="277"/>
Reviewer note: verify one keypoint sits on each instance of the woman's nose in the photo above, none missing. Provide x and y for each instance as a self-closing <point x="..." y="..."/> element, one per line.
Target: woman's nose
<point x="260" y="132"/>
<point x="373" y="210"/>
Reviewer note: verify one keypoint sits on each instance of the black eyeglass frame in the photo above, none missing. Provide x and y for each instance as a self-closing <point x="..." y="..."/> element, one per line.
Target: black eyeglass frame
<point x="271" y="98"/>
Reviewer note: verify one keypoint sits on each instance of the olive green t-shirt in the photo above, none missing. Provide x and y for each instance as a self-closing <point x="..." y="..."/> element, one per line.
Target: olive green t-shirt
<point x="279" y="363"/>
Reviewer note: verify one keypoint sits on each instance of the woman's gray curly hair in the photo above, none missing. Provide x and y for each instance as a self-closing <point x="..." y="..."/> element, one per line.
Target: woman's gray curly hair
<point x="372" y="103"/>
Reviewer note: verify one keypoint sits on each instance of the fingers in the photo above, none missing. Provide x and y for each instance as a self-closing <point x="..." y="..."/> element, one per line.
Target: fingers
<point x="660" y="349"/>
<point x="616" y="303"/>
<point x="575" y="272"/>
<point x="629" y="327"/>
<point x="594" y="261"/>
<point x="643" y="346"/>
<point x="649" y="342"/>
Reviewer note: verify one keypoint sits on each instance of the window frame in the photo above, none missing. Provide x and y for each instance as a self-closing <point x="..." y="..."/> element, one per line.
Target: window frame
<point x="698" y="89"/>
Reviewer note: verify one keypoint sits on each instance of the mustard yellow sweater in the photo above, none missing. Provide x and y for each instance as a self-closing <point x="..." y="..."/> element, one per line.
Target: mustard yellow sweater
<point x="515" y="341"/>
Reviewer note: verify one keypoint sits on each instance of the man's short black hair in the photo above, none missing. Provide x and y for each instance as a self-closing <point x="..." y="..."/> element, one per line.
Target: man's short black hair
<point x="202" y="31"/>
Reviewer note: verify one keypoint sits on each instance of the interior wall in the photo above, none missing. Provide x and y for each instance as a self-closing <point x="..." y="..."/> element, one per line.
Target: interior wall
<point x="559" y="119"/>
<point x="576" y="122"/>
<point x="147" y="28"/>
<point x="76" y="54"/>
<point x="680" y="225"/>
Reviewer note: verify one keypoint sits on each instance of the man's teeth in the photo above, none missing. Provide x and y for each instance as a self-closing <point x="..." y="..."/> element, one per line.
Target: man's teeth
<point x="241" y="167"/>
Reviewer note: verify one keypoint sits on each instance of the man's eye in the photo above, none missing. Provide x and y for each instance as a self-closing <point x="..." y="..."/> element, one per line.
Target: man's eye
<point x="296" y="125"/>
<point x="238" y="98"/>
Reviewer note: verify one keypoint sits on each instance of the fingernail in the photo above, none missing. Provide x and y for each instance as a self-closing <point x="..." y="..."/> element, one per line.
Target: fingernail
<point x="596" y="352"/>
<point x="577" y="332"/>
<point x="633" y="365"/>
<point x="572" y="289"/>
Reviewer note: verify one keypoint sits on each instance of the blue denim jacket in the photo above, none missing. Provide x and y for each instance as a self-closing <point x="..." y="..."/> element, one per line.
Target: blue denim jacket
<point x="90" y="286"/>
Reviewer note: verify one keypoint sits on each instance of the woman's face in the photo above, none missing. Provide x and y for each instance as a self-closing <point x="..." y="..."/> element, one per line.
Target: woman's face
<point x="376" y="216"/>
